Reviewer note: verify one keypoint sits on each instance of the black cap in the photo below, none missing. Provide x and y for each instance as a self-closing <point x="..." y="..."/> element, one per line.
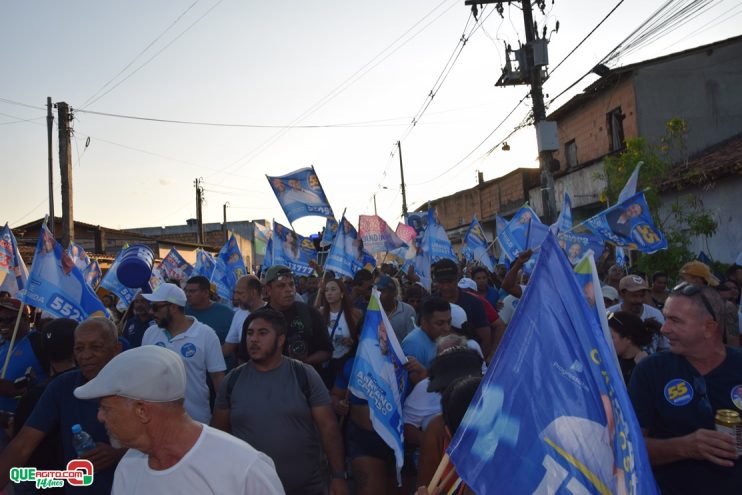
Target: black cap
<point x="445" y="270"/>
<point x="451" y="364"/>
<point x="59" y="338"/>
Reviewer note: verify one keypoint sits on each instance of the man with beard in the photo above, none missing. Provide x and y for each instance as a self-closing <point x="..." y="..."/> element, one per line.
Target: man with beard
<point x="633" y="290"/>
<point x="281" y="407"/>
<point x="96" y="343"/>
<point x="196" y="344"/>
<point x="141" y="403"/>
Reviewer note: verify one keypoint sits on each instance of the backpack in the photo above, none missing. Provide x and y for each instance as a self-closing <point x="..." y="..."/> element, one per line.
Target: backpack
<point x="297" y="367"/>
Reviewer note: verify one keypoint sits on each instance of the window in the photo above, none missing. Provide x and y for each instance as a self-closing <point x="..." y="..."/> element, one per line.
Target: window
<point x="570" y="154"/>
<point x="615" y="129"/>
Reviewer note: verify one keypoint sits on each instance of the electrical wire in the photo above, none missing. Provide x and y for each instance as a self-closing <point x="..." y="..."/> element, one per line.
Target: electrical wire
<point x="19" y="120"/>
<point x="12" y="102"/>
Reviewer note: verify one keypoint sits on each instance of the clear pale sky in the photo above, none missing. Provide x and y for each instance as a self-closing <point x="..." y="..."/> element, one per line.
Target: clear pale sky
<point x="267" y="63"/>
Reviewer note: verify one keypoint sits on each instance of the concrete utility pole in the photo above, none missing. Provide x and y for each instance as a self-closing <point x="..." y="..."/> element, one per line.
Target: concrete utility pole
<point x="200" y="238"/>
<point x="226" y="232"/>
<point x="529" y="71"/>
<point x="49" y="127"/>
<point x="65" y="166"/>
<point x="401" y="173"/>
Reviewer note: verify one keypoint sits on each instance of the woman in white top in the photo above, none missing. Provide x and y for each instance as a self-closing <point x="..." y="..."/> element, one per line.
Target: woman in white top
<point x="342" y="319"/>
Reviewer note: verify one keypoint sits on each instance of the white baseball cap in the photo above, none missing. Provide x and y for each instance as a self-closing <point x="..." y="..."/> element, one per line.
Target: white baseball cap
<point x="150" y="373"/>
<point x="467" y="283"/>
<point x="458" y="316"/>
<point x="167" y="293"/>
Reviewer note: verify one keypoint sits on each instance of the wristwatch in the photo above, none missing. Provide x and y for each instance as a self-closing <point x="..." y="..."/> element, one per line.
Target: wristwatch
<point x="342" y="475"/>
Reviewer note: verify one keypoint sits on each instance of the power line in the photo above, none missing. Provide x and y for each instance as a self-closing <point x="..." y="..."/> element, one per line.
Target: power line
<point x="12" y="102"/>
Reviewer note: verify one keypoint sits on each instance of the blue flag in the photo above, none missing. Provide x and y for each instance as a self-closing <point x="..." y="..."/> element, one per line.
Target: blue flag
<point x="173" y="268"/>
<point x="268" y="258"/>
<point x="347" y="254"/>
<point x="228" y="268"/>
<point x="92" y="274"/>
<point x="552" y="414"/>
<point x="328" y="235"/>
<point x="292" y="250"/>
<point x="629" y="224"/>
<point x="379" y="377"/>
<point x="476" y="246"/>
<point x="523" y="231"/>
<point x="13" y="271"/>
<point x="418" y="220"/>
<point x="564" y="222"/>
<point x="435" y="239"/>
<point x="56" y="285"/>
<point x="111" y="282"/>
<point x="205" y="264"/>
<point x="620" y="257"/>
<point x="78" y="255"/>
<point x="300" y="194"/>
<point x="577" y="245"/>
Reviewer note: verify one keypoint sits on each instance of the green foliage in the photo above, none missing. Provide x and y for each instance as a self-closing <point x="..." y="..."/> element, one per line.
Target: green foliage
<point x="687" y="218"/>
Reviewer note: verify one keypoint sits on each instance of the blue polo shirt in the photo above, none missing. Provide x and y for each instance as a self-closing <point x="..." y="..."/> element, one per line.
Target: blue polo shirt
<point x="22" y="357"/>
<point x="217" y="316"/>
<point x="59" y="408"/>
<point x="418" y="345"/>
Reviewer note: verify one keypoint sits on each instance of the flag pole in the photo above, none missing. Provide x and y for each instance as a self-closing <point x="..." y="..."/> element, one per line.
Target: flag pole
<point x="445" y="461"/>
<point x="12" y="340"/>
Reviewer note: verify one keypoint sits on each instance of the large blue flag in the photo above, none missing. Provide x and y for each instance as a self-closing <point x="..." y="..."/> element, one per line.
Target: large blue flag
<point x="78" y="255"/>
<point x="347" y="254"/>
<point x="328" y="234"/>
<point x="577" y="245"/>
<point x="92" y="274"/>
<point x="111" y="282"/>
<point x="229" y="267"/>
<point x="379" y="377"/>
<point x="552" y="414"/>
<point x="205" y="264"/>
<point x="56" y="285"/>
<point x="13" y="271"/>
<point x="292" y="250"/>
<point x="173" y="268"/>
<point x="523" y="231"/>
<point x="377" y="236"/>
<point x="564" y="222"/>
<point x="629" y="189"/>
<point x="436" y="240"/>
<point x="629" y="224"/>
<point x="300" y="194"/>
<point x="476" y="246"/>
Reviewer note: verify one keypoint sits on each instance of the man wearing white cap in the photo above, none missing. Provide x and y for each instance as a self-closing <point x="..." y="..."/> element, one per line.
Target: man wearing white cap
<point x="141" y="396"/>
<point x="195" y="343"/>
<point x="633" y="289"/>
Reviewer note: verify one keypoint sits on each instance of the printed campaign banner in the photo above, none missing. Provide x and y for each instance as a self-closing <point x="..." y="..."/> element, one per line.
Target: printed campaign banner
<point x="577" y="245"/>
<point x="205" y="264"/>
<point x="552" y="414"/>
<point x="629" y="224"/>
<point x="292" y="250"/>
<point x="347" y="254"/>
<point x="300" y="194"/>
<point x="13" y="271"/>
<point x="379" y="377"/>
<point x="564" y="222"/>
<point x="56" y="285"/>
<point x="229" y="267"/>
<point x="476" y="246"/>
<point x="173" y="268"/>
<point x="261" y="234"/>
<point x="328" y="235"/>
<point x="435" y="239"/>
<point x="404" y="256"/>
<point x="523" y="231"/>
<point x="268" y="258"/>
<point x="377" y="236"/>
<point x="418" y="220"/>
<point x="78" y="255"/>
<point x="92" y="274"/>
<point x="111" y="281"/>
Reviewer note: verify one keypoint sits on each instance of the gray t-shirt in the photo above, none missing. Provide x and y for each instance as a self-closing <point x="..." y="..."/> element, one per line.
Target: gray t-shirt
<point x="269" y="411"/>
<point x="402" y="320"/>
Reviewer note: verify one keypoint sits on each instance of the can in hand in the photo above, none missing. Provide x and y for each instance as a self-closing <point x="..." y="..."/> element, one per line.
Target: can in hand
<point x="729" y="422"/>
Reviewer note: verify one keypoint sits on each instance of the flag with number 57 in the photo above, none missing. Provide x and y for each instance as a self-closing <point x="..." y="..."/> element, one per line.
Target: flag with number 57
<point x="629" y="224"/>
<point x="56" y="285"/>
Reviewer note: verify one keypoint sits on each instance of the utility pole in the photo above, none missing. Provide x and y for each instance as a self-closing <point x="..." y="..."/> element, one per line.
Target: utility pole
<point x="49" y="126"/>
<point x="401" y="173"/>
<point x="199" y="216"/>
<point x="65" y="166"/>
<point x="531" y="60"/>
<point x="226" y="232"/>
<point x="375" y="213"/>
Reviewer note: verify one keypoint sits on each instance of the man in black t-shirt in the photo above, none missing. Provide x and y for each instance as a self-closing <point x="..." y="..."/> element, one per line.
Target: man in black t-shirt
<point x="307" y="339"/>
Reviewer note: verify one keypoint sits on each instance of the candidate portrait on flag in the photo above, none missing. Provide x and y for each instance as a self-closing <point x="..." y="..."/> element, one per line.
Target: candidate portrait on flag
<point x="629" y="224"/>
<point x="300" y="194"/>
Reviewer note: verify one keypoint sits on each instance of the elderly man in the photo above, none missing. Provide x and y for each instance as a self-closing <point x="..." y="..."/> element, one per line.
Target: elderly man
<point x="141" y="404"/>
<point x="196" y="343"/>
<point x="248" y="292"/>
<point x="96" y="344"/>
<point x="675" y="395"/>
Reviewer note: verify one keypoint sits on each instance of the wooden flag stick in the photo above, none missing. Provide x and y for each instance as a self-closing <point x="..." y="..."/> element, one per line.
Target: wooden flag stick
<point x="439" y="472"/>
<point x="12" y="340"/>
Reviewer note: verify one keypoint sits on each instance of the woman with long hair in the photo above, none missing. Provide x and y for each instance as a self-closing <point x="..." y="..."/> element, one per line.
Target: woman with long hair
<point x="343" y="323"/>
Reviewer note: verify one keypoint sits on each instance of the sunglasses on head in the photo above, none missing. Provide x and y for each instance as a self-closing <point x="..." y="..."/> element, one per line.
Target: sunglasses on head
<point x="690" y="290"/>
<point x="612" y="318"/>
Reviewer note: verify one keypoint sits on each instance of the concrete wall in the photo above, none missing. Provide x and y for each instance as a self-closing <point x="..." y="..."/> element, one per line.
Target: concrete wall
<point x="702" y="88"/>
<point x="583" y="186"/>
<point x="587" y="123"/>
<point x="723" y="199"/>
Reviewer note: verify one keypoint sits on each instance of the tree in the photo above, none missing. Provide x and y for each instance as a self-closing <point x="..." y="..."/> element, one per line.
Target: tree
<point x="682" y="220"/>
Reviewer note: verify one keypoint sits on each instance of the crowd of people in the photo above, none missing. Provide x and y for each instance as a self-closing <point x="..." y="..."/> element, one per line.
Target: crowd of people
<point x="183" y="393"/>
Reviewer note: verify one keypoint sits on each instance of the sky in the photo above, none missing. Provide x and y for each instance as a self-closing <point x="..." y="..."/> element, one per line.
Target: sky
<point x="354" y="74"/>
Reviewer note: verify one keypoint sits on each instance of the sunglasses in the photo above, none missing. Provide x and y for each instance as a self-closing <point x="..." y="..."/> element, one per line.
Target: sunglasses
<point x="690" y="290"/>
<point x="613" y="318"/>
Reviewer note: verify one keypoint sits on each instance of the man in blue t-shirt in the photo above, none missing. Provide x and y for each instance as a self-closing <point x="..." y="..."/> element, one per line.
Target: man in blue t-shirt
<point x="435" y="321"/>
<point x="95" y="345"/>
<point x="216" y="315"/>
<point x="676" y="394"/>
